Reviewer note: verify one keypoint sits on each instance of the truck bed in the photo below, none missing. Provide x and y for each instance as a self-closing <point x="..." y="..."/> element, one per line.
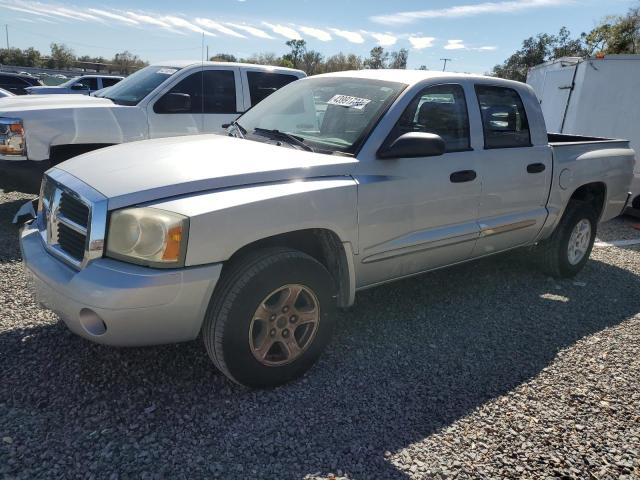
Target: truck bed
<point x="563" y="138"/>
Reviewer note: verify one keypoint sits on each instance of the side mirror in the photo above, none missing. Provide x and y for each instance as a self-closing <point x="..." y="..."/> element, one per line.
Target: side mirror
<point x="414" y="144"/>
<point x="174" y="103"/>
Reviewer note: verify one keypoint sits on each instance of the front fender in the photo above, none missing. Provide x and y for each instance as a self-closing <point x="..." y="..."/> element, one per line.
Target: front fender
<point x="224" y="221"/>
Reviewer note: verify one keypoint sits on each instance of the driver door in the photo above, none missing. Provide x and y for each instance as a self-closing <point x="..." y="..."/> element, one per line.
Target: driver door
<point x="417" y="214"/>
<point x="167" y="121"/>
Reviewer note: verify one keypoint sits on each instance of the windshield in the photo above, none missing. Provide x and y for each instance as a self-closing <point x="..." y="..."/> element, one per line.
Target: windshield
<point x="69" y="82"/>
<point x="330" y="114"/>
<point x="138" y="85"/>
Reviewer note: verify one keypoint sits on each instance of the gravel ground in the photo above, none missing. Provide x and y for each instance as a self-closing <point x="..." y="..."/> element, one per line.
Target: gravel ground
<point x="508" y="375"/>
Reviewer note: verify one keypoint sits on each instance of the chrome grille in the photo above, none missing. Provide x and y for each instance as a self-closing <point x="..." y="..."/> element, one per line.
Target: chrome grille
<point x="73" y="209"/>
<point x="72" y="220"/>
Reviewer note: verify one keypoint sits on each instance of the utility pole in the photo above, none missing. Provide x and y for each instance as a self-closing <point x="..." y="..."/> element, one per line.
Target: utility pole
<point x="6" y="29"/>
<point x="207" y="52"/>
<point x="445" y="60"/>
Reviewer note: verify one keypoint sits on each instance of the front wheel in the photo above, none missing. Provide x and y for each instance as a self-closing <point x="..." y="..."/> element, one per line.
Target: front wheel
<point x="271" y="318"/>
<point x="566" y="252"/>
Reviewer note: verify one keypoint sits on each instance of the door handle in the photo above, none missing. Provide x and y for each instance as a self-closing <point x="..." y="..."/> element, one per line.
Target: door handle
<point x="536" y="167"/>
<point x="463" y="176"/>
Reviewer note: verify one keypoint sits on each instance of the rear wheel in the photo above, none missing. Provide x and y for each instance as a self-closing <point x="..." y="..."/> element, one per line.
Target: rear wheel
<point x="271" y="318"/>
<point x="566" y="252"/>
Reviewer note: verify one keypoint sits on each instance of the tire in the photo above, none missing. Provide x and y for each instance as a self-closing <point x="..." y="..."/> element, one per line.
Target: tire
<point x="233" y="328"/>
<point x="554" y="254"/>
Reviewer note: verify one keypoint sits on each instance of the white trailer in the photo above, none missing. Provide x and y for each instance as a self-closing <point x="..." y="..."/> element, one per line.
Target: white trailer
<point x="596" y="96"/>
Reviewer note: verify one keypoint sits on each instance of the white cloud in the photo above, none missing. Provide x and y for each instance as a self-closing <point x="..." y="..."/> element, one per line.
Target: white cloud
<point x="148" y="20"/>
<point x="488" y="48"/>
<point x="353" y="37"/>
<point x="316" y="33"/>
<point x="207" y="23"/>
<point x="509" y="6"/>
<point x="284" y="31"/>
<point x="182" y="23"/>
<point x="256" y="32"/>
<point x="418" y="43"/>
<point x="454" y="45"/>
<point x="114" y="16"/>
<point x="384" y="39"/>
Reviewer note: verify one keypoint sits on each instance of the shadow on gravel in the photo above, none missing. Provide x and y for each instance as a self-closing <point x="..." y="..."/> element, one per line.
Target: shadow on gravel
<point x="407" y="360"/>
<point x="9" y="249"/>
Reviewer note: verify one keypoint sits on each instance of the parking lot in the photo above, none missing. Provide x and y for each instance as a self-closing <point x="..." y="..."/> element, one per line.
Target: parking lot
<point x="486" y="370"/>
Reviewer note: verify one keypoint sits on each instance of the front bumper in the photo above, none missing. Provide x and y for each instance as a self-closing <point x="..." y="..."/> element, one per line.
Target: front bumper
<point x="116" y="303"/>
<point x="22" y="175"/>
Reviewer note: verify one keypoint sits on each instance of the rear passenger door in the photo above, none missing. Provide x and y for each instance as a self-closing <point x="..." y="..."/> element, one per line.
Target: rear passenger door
<point x="515" y="174"/>
<point x="259" y="84"/>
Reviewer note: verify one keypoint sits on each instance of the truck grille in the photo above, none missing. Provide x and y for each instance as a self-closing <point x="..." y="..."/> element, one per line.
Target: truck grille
<point x="65" y="222"/>
<point x="74" y="210"/>
<point x="71" y="242"/>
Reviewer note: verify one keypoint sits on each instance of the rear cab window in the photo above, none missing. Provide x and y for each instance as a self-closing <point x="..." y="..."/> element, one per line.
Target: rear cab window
<point x="504" y="119"/>
<point x="263" y="84"/>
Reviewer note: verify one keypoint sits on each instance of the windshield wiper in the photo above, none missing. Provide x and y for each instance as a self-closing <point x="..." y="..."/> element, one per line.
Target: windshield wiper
<point x="292" y="139"/>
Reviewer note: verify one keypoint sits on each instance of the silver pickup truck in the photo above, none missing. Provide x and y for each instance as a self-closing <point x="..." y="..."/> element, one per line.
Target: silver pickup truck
<point x="333" y="184"/>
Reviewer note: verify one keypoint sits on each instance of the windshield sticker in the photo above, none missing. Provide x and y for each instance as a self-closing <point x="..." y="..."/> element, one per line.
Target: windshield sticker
<point x="167" y="71"/>
<point x="349" y="101"/>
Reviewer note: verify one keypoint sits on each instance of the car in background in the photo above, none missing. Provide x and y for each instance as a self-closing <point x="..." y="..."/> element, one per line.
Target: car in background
<point x="162" y="100"/>
<point x="16" y="83"/>
<point x="86" y="85"/>
<point x="6" y="93"/>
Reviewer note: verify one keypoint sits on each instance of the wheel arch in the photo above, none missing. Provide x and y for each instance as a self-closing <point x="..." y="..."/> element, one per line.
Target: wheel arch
<point x="593" y="193"/>
<point x="320" y="243"/>
<point x="60" y="153"/>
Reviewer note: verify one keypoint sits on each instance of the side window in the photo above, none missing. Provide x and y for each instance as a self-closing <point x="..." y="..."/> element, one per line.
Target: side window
<point x="192" y="86"/>
<point x="109" y="82"/>
<point x="263" y="84"/>
<point x="219" y="91"/>
<point x="504" y="119"/>
<point x="90" y="83"/>
<point x="13" y="81"/>
<point x="441" y="109"/>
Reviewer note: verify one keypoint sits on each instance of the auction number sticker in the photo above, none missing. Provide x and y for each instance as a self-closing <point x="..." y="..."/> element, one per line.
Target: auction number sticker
<point x="167" y="71"/>
<point x="349" y="101"/>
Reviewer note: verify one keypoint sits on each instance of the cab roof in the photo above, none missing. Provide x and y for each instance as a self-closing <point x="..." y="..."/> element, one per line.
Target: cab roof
<point x="189" y="63"/>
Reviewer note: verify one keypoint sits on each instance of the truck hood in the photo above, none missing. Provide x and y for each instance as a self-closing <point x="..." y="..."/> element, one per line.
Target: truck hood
<point x="150" y="170"/>
<point x="44" y="102"/>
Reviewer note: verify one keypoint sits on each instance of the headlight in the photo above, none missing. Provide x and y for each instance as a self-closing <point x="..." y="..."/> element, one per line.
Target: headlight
<point x="12" y="137"/>
<point x="148" y="236"/>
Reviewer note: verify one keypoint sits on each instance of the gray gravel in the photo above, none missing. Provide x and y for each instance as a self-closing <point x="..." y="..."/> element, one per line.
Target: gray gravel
<point x="488" y="370"/>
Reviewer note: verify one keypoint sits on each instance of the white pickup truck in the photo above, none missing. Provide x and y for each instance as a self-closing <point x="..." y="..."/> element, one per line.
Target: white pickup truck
<point x="333" y="184"/>
<point x="174" y="98"/>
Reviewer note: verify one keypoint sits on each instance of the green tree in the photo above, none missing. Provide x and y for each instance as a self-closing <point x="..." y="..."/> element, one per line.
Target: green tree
<point x="536" y="50"/>
<point x="341" y="62"/>
<point x="399" y="59"/>
<point x="377" y="59"/>
<point x="126" y="62"/>
<point x="298" y="49"/>
<point x="61" y="56"/>
<point x="615" y="34"/>
<point x="312" y="62"/>
<point x="223" y="57"/>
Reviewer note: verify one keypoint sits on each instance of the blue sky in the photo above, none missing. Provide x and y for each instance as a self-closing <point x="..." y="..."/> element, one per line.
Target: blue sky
<point x="475" y="34"/>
